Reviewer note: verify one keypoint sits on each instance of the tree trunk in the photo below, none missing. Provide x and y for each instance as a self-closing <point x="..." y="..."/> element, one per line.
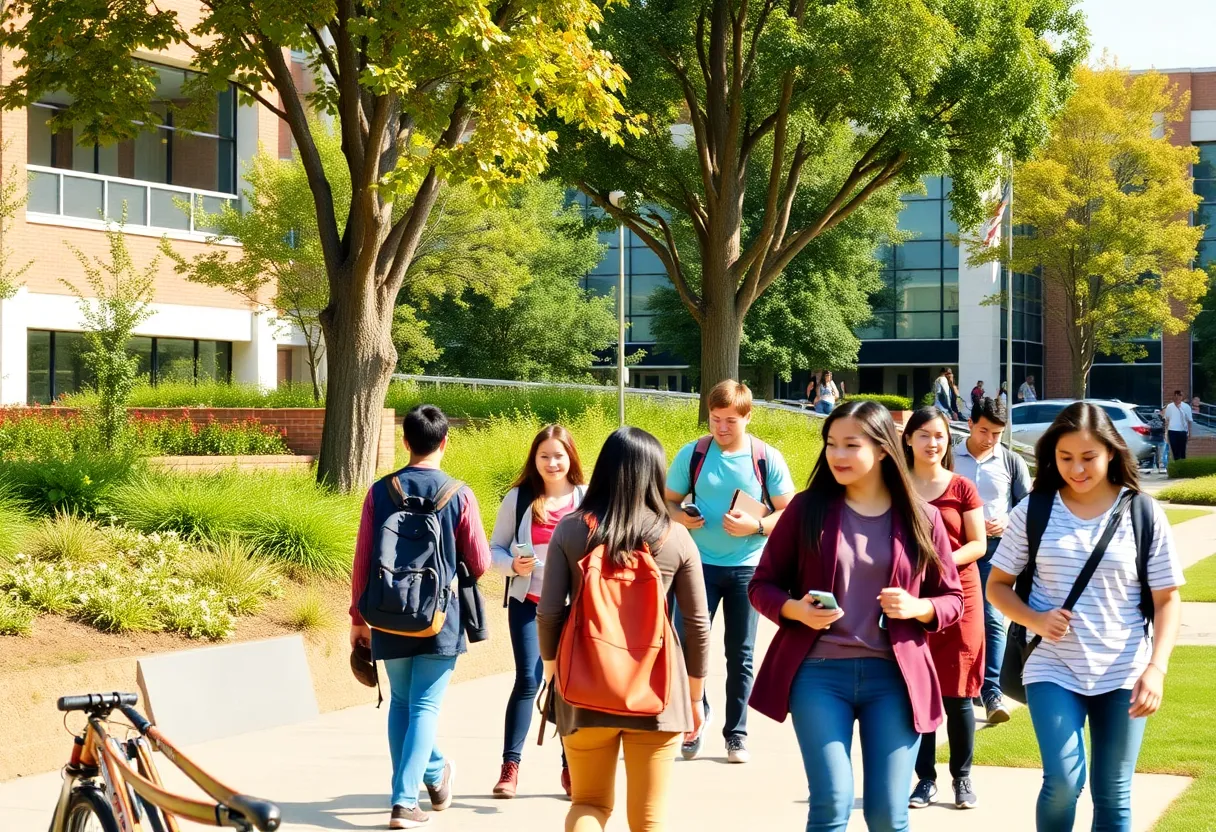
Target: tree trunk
<point x="722" y="325"/>
<point x="721" y="334"/>
<point x="766" y="382"/>
<point x="360" y="358"/>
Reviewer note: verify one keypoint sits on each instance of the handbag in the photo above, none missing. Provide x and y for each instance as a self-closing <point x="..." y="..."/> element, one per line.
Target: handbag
<point x="472" y="606"/>
<point x="1017" y="648"/>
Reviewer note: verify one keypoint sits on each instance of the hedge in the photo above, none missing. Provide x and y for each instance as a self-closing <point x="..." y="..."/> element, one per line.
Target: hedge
<point x="890" y="402"/>
<point x="1199" y="492"/>
<point x="1202" y="466"/>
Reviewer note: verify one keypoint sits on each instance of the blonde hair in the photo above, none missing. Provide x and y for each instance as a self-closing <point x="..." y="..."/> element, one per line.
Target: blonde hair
<point x="731" y="393"/>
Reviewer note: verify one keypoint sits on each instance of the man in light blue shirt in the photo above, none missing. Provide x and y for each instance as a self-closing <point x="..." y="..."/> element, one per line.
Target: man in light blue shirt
<point x="730" y="540"/>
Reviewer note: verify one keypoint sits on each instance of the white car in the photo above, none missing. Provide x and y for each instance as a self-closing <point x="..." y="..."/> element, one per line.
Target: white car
<point x="1032" y="419"/>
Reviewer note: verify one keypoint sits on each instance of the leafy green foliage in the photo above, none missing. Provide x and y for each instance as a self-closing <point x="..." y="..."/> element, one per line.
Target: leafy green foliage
<point x="14" y="526"/>
<point x="205" y="394"/>
<point x="13" y="194"/>
<point x="80" y="483"/>
<point x="117" y="302"/>
<point x="196" y="508"/>
<point x="888" y="401"/>
<point x="306" y="537"/>
<point x="67" y="537"/>
<point x="1196" y="466"/>
<point x="15" y="619"/>
<point x="1200" y="492"/>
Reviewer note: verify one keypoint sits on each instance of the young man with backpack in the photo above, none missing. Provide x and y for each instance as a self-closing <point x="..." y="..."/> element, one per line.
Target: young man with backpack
<point x="729" y="490"/>
<point x="420" y="528"/>
<point x="1003" y="480"/>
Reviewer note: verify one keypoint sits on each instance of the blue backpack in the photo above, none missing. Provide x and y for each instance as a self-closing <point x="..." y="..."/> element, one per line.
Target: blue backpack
<point x="410" y="588"/>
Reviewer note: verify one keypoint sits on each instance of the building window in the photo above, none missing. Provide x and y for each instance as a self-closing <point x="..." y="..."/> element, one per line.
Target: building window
<point x="1205" y="214"/>
<point x="56" y="362"/>
<point x="919" y="299"/>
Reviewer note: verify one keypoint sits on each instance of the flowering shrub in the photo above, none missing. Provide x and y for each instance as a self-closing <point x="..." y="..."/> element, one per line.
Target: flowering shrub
<point x="15" y="619"/>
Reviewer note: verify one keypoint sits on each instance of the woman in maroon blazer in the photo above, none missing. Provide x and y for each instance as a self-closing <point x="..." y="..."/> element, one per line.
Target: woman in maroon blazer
<point x="859" y="533"/>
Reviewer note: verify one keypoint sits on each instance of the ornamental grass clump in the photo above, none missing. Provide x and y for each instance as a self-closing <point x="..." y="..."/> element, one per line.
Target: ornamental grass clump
<point x="67" y="537"/>
<point x="197" y="508"/>
<point x="243" y="579"/>
<point x="15" y="619"/>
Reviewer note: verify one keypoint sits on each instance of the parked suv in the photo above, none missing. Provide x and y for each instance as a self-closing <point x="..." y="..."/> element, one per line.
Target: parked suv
<point x="1032" y="419"/>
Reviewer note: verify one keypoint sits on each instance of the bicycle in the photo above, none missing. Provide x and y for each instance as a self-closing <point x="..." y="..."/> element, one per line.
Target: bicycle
<point x="113" y="786"/>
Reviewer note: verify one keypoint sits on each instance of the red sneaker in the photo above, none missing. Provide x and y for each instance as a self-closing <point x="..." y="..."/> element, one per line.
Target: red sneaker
<point x="508" y="781"/>
<point x="566" y="779"/>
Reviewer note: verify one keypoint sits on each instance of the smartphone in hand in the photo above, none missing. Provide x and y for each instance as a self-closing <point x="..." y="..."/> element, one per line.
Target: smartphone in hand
<point x="691" y="510"/>
<point x="823" y="600"/>
<point x="522" y="550"/>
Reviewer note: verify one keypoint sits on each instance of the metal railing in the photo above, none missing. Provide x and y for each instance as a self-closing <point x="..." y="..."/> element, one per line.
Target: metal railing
<point x="60" y="193"/>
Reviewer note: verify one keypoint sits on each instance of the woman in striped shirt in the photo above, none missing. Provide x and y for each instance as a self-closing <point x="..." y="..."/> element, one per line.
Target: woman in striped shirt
<point x="1096" y="661"/>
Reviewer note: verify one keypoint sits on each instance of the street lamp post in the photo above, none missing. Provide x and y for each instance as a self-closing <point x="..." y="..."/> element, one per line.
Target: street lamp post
<point x="622" y="377"/>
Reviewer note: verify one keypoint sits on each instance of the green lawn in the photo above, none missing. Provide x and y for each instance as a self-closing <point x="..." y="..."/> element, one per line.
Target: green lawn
<point x="1201" y="581"/>
<point x="1181" y="515"/>
<point x="1181" y="739"/>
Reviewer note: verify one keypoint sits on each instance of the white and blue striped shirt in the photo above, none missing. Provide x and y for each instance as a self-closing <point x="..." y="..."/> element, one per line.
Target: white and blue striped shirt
<point x="1106" y="647"/>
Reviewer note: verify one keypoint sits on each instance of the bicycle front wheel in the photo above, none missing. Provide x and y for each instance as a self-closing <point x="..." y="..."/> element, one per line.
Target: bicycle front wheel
<point x="88" y="811"/>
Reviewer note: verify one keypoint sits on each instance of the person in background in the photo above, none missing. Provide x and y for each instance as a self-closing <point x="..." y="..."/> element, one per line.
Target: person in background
<point x="418" y="669"/>
<point x="1026" y="392"/>
<point x="1156" y="438"/>
<point x="855" y="574"/>
<point x="1002" y="480"/>
<point x="1178" y="423"/>
<point x="956" y="402"/>
<point x="626" y="506"/>
<point x="1096" y="662"/>
<point x="977" y="394"/>
<point x="551" y="483"/>
<point x="943" y="392"/>
<point x="729" y="539"/>
<point x="844" y="393"/>
<point x="958" y="651"/>
<point x="1002" y="401"/>
<point x="812" y="389"/>
<point x="826" y="394"/>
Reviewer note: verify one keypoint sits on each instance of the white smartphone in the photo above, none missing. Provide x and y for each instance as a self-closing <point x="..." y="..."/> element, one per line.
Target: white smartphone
<point x="522" y="550"/>
<point x="823" y="600"/>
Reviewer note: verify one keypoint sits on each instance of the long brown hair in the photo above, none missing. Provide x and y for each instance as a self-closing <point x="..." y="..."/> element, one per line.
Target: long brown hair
<point x="876" y="423"/>
<point x="917" y="421"/>
<point x="1080" y="416"/>
<point x="530" y="475"/>
<point x="626" y="494"/>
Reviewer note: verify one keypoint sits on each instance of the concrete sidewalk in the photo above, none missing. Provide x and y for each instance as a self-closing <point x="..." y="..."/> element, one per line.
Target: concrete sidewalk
<point x="331" y="773"/>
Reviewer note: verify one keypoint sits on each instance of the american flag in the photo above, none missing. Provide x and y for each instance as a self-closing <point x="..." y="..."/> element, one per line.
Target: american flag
<point x="994" y="222"/>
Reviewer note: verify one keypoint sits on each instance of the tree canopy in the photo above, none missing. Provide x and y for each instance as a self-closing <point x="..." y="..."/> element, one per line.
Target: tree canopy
<point x="760" y="95"/>
<point x="1106" y="204"/>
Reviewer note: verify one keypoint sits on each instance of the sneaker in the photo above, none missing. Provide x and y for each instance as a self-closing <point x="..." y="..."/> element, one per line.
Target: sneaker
<point x="441" y="795"/>
<point x="997" y="711"/>
<point x="408" y="817"/>
<point x="736" y="749"/>
<point x="964" y="796"/>
<point x="690" y="750"/>
<point x="923" y="795"/>
<point x="566" y="780"/>
<point x="508" y="781"/>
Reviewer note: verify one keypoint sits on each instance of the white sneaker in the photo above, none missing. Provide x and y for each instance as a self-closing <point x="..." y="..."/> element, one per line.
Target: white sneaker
<point x="736" y="750"/>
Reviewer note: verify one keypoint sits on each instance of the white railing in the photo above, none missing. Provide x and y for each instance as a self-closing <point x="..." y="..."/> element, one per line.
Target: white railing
<point x="68" y="195"/>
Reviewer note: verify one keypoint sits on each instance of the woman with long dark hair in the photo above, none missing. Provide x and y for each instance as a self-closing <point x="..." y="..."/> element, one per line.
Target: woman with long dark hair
<point x="856" y="572"/>
<point x="958" y="651"/>
<point x="1095" y="661"/>
<point x="625" y="509"/>
<point x="549" y="487"/>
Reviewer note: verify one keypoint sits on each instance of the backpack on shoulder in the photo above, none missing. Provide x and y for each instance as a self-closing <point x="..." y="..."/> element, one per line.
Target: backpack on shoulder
<point x="615" y="651"/>
<point x="410" y="588"/>
<point x="759" y="466"/>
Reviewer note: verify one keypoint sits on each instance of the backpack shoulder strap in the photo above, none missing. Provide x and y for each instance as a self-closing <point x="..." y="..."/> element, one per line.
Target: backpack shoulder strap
<point x="1037" y="514"/>
<point x="696" y="463"/>
<point x="523" y="504"/>
<point x="1091" y="565"/>
<point x="1143" y="528"/>
<point x="395" y="493"/>
<point x="445" y="494"/>
<point x="760" y="464"/>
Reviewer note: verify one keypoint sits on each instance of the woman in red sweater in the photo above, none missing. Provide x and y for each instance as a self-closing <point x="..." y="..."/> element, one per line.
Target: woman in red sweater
<point x="958" y="651"/>
<point x="857" y="570"/>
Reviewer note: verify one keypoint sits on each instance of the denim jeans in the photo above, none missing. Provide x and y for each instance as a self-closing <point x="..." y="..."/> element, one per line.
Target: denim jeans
<point x="994" y="630"/>
<point x="521" y="620"/>
<point x="416" y="686"/>
<point x="827" y="697"/>
<point x="824" y="407"/>
<point x="728" y="585"/>
<point x="1059" y="718"/>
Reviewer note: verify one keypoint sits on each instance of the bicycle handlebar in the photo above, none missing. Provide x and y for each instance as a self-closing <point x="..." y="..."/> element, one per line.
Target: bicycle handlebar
<point x="97" y="701"/>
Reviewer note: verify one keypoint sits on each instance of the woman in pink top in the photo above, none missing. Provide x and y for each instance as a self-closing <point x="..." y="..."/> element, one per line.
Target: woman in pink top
<point x="549" y="487"/>
<point x="860" y="533"/>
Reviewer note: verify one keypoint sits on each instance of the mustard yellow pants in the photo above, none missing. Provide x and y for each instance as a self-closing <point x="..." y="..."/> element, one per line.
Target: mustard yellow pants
<point x="592" y="754"/>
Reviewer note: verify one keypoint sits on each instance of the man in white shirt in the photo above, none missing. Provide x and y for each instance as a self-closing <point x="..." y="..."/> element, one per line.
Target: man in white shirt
<point x="1178" y="421"/>
<point x="1026" y="392"/>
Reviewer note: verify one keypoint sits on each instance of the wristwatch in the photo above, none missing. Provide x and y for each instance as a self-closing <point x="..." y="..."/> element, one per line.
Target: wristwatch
<point x="760" y="529"/>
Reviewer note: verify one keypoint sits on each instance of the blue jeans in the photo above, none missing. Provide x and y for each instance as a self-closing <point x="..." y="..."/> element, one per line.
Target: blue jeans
<point x="823" y="407"/>
<point x="827" y="697"/>
<point x="1059" y="717"/>
<point x="994" y="631"/>
<point x="416" y="687"/>
<point x="521" y="619"/>
<point x="728" y="585"/>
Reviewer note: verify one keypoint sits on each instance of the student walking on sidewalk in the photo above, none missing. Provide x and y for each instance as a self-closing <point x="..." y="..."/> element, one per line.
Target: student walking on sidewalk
<point x="1100" y="566"/>
<point x="855" y="574"/>
<point x="623" y="522"/>
<point x="729" y="489"/>
<point x="1178" y="423"/>
<point x="443" y="515"/>
<point x="1003" y="480"/>
<point x="549" y="487"/>
<point x="958" y="651"/>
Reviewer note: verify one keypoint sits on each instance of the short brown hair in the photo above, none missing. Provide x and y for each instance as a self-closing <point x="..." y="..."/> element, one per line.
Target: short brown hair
<point x="731" y="393"/>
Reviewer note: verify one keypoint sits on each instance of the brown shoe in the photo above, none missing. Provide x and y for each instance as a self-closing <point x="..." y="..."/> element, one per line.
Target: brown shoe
<point x="508" y="781"/>
<point x="566" y="780"/>
<point x="410" y="817"/>
<point x="441" y="795"/>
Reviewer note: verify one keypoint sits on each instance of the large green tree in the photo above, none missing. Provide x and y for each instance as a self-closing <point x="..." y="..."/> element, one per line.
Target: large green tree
<point x="911" y="86"/>
<point x="1108" y="200"/>
<point x="421" y="93"/>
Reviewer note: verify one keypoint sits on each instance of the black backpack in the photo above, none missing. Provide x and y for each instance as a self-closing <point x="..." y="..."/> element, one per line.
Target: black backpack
<point x="410" y="589"/>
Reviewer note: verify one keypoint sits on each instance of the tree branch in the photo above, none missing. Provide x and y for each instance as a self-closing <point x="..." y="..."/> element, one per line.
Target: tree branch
<point x="323" y="49"/>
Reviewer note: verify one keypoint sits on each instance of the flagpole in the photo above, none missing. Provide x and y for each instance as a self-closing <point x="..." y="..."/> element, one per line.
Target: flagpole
<point x="1009" y="319"/>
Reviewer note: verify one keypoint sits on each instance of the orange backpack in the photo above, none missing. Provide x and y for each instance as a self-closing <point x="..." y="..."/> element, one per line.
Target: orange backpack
<point x="615" y="651"/>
